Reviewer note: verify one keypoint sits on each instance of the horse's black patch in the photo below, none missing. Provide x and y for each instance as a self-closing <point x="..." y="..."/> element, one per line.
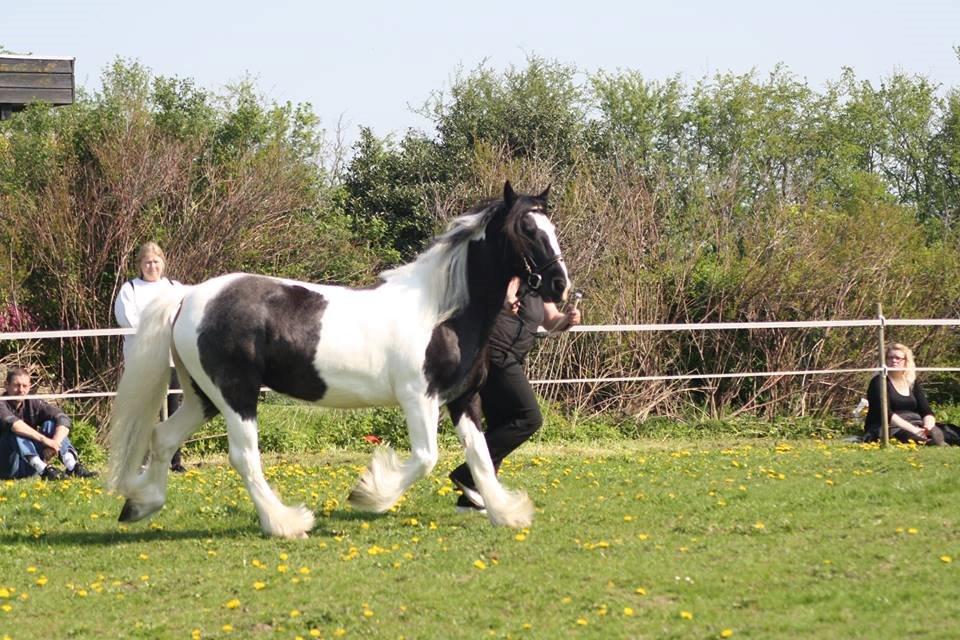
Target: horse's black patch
<point x="258" y="331"/>
<point x="469" y="404"/>
<point x="209" y="409"/>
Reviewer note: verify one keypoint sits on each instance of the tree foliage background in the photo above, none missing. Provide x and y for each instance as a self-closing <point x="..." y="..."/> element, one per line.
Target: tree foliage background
<point x="739" y="197"/>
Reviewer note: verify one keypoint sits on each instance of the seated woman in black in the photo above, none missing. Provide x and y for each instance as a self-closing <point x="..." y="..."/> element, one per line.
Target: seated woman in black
<point x="911" y="419"/>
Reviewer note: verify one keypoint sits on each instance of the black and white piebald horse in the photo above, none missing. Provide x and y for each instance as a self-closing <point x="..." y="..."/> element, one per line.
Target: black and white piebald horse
<point x="417" y="340"/>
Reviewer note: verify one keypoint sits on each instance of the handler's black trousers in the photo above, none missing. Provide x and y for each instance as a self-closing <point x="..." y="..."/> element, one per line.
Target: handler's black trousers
<point x="510" y="410"/>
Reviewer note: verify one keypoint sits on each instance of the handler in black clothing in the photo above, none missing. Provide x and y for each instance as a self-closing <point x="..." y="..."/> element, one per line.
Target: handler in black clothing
<point x="911" y="419"/>
<point x="32" y="432"/>
<point x="507" y="399"/>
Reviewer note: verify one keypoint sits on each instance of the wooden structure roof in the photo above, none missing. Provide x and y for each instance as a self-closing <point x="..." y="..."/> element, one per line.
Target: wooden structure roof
<point x="26" y="79"/>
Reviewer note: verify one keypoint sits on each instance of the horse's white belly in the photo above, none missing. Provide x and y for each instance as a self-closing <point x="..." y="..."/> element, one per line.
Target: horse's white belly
<point x="346" y="391"/>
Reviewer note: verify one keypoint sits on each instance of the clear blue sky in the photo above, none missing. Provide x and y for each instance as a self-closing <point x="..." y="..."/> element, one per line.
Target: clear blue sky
<point x="371" y="62"/>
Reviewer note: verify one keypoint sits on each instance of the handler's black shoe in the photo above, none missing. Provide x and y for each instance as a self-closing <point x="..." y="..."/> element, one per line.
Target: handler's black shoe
<point x="51" y="473"/>
<point x="80" y="471"/>
<point x="465" y="505"/>
<point x="470" y="493"/>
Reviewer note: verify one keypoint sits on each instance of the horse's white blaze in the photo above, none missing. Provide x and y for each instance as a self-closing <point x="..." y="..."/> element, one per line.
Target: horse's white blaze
<point x="543" y="222"/>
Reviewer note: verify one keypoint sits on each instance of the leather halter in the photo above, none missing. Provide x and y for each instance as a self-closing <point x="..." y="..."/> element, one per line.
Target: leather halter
<point x="534" y="273"/>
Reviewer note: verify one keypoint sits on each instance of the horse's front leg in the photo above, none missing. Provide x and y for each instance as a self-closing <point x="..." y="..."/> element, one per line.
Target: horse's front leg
<point x="504" y="507"/>
<point x="276" y="519"/>
<point x="387" y="477"/>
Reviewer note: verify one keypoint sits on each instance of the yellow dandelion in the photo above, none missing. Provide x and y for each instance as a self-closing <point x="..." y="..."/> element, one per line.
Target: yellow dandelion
<point x="284" y="557"/>
<point x="195" y="634"/>
<point x="339" y="632"/>
<point x="143" y="556"/>
<point x="641" y="591"/>
<point x="759" y="525"/>
<point x="31" y="569"/>
<point x="304" y="571"/>
<point x="42" y="580"/>
<point x="232" y="604"/>
<point x="582" y="622"/>
<point x="259" y="585"/>
<point x="367" y="613"/>
<point x="227" y="628"/>
<point x="4" y="593"/>
<point x="6" y="608"/>
<point x="144" y="577"/>
<point x="686" y="615"/>
<point x="946" y="559"/>
<point x="726" y="633"/>
<point x="480" y="564"/>
<point x="913" y="531"/>
<point x="520" y="537"/>
<point x="628" y="612"/>
<point x="315" y="633"/>
<point x="295" y="613"/>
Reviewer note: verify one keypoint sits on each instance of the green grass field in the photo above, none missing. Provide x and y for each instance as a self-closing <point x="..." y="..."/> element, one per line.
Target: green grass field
<point x="669" y="539"/>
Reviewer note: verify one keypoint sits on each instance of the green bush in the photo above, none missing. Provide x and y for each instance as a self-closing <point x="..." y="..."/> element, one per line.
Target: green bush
<point x="83" y="435"/>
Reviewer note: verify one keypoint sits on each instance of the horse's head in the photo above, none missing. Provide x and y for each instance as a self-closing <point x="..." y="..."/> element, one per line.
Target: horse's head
<point x="534" y="238"/>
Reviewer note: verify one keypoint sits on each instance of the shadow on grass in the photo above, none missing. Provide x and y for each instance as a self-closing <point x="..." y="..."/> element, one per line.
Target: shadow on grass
<point x="326" y="527"/>
<point x="104" y="538"/>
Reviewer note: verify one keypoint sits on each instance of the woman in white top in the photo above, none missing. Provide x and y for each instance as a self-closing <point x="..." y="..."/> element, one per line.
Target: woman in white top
<point x="133" y="298"/>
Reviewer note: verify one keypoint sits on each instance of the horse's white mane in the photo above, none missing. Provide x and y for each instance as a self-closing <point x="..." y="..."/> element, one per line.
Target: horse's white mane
<point x="441" y="270"/>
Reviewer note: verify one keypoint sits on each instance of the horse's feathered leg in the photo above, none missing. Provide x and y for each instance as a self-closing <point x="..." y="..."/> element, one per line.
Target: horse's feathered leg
<point x="170" y="435"/>
<point x="504" y="507"/>
<point x="147" y="493"/>
<point x="276" y="519"/>
<point x="386" y="478"/>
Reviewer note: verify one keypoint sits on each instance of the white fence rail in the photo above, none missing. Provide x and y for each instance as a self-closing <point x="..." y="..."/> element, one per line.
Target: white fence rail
<point x="880" y="323"/>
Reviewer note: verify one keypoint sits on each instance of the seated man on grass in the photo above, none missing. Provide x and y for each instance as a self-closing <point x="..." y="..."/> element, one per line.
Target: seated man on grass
<point x="32" y="432"/>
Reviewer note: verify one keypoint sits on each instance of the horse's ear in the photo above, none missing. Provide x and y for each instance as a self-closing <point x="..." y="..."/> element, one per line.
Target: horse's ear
<point x="509" y="197"/>
<point x="546" y="193"/>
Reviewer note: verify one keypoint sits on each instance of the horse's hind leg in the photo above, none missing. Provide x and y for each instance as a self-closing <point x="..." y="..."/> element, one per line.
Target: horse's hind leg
<point x="386" y="478"/>
<point x="504" y="507"/>
<point x="276" y="519"/>
<point x="148" y="491"/>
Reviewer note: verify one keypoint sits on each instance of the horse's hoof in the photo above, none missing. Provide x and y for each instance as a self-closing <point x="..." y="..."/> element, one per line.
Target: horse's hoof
<point x="133" y="511"/>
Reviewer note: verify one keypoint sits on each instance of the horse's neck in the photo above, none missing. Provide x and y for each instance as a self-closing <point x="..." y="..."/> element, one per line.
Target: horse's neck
<point x="487" y="281"/>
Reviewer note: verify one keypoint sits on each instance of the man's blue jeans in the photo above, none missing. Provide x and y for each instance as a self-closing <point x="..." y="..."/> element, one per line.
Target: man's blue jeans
<point x="26" y="447"/>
